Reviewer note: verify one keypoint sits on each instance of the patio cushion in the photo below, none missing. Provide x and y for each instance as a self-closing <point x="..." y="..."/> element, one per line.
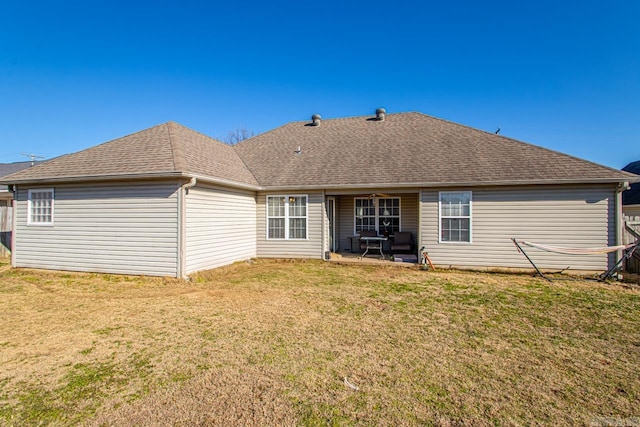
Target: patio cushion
<point x="402" y="241"/>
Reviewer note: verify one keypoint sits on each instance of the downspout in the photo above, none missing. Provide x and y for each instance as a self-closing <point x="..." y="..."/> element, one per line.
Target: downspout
<point x="619" y="217"/>
<point x="419" y="237"/>
<point x="182" y="227"/>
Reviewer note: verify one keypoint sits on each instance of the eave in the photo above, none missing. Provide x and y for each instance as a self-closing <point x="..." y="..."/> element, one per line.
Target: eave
<point x="427" y="184"/>
<point x="324" y="186"/>
<point x="130" y="177"/>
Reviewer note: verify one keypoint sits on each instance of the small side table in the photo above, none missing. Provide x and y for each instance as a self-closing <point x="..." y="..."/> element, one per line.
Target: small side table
<point x="354" y="244"/>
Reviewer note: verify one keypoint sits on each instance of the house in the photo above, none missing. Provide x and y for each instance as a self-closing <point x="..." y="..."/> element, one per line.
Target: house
<point x="8" y="169"/>
<point x="6" y="198"/>
<point x="631" y="197"/>
<point x="171" y="201"/>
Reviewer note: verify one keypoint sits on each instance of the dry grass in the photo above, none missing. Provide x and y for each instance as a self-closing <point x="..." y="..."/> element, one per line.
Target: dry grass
<point x="271" y="344"/>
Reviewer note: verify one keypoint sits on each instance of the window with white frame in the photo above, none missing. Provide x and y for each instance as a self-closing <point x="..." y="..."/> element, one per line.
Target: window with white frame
<point x="40" y="206"/>
<point x="455" y="216"/>
<point x="388" y="215"/>
<point x="365" y="214"/>
<point x="287" y="217"/>
<point x="377" y="213"/>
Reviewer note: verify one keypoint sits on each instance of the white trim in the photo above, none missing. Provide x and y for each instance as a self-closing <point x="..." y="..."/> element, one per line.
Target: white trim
<point x="376" y="215"/>
<point x="432" y="185"/>
<point x="440" y="193"/>
<point x="181" y="250"/>
<point x="30" y="206"/>
<point x="331" y="232"/>
<point x="286" y="217"/>
<point x="14" y="228"/>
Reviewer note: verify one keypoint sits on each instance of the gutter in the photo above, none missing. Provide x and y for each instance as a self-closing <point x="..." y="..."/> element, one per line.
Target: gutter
<point x="322" y="186"/>
<point x="378" y="186"/>
<point x="129" y="177"/>
<point x="182" y="228"/>
<point x="93" y="178"/>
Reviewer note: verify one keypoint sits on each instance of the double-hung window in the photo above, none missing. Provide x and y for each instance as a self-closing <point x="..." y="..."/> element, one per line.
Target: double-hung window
<point x="388" y="215"/>
<point x="377" y="213"/>
<point x="40" y="206"/>
<point x="455" y="216"/>
<point x="287" y="217"/>
<point x="365" y="215"/>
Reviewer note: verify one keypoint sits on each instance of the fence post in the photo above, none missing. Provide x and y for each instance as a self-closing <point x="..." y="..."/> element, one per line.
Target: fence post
<point x="632" y="265"/>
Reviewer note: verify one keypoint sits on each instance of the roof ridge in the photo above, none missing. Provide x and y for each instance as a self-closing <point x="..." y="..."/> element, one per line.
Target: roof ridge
<point x="369" y="116"/>
<point x="246" y="166"/>
<point x="177" y="150"/>
<point x="195" y="131"/>
<point x="261" y="135"/>
<point x="180" y="155"/>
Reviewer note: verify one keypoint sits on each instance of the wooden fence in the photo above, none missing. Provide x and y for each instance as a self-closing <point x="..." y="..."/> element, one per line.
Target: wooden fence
<point x="632" y="223"/>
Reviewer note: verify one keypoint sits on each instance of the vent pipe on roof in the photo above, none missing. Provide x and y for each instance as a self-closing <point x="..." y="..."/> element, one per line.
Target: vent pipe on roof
<point x="316" y="119"/>
<point x="380" y="114"/>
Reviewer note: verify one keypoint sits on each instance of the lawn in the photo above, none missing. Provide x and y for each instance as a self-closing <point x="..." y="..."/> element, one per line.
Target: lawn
<point x="314" y="343"/>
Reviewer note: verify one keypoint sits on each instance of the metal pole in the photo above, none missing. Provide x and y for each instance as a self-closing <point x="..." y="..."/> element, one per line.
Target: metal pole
<point x="609" y="273"/>
<point x="527" y="256"/>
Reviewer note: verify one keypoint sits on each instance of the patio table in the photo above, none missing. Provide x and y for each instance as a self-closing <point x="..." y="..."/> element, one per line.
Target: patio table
<point x="373" y="242"/>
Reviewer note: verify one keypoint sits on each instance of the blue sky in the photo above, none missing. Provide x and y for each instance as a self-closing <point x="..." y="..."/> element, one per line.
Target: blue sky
<point x="560" y="74"/>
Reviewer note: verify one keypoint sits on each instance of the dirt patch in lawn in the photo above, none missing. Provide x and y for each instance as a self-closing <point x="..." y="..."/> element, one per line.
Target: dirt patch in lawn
<point x="315" y="343"/>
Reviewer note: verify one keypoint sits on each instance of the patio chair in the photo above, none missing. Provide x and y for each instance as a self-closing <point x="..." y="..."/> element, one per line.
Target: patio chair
<point x="402" y="242"/>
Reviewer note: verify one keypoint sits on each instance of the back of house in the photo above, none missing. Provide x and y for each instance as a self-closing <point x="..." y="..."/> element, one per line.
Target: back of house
<point x="307" y="189"/>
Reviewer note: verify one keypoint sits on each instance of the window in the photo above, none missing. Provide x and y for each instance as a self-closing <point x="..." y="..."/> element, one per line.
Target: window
<point x="377" y="213"/>
<point x="286" y="217"/>
<point x="388" y="216"/>
<point x="455" y="216"/>
<point x="365" y="215"/>
<point x="40" y="207"/>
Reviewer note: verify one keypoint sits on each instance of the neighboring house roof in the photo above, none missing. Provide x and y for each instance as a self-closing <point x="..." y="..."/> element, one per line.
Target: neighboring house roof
<point x="169" y="149"/>
<point x="10" y="168"/>
<point x="405" y="149"/>
<point x="632" y="195"/>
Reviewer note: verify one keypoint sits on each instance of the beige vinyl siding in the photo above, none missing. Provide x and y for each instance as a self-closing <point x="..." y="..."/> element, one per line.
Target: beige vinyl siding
<point x="345" y="214"/>
<point x="577" y="217"/>
<point x="295" y="248"/>
<point x="346" y="217"/>
<point x="409" y="215"/>
<point x="116" y="228"/>
<point x="220" y="227"/>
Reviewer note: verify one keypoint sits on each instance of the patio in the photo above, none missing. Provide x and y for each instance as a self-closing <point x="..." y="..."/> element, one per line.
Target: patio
<point x="345" y="257"/>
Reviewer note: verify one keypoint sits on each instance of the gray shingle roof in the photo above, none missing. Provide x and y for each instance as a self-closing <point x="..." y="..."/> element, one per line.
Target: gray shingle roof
<point x="9" y="168"/>
<point x="632" y="195"/>
<point x="163" y="150"/>
<point x="407" y="149"/>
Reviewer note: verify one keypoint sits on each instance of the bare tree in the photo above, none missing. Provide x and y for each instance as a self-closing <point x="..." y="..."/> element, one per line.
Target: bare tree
<point x="237" y="135"/>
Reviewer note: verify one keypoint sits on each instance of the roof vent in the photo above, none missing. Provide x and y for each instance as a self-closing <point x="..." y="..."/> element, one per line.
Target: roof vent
<point x="380" y="114"/>
<point x="316" y="118"/>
